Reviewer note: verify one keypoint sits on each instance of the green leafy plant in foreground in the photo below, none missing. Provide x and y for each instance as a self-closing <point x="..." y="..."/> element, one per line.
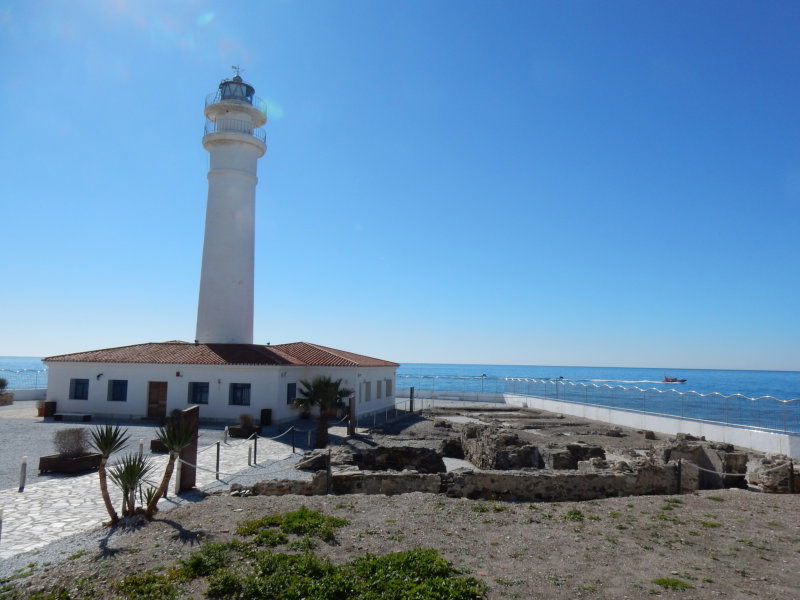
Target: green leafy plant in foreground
<point x="672" y="583"/>
<point x="147" y="586"/>
<point x="418" y="573"/>
<point x="303" y="521"/>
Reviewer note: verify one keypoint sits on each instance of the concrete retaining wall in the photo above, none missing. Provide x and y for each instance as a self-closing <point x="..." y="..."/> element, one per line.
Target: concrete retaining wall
<point x="765" y="441"/>
<point x="26" y="395"/>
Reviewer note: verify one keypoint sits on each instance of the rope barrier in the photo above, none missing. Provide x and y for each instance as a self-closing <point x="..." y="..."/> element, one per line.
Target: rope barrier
<point x="699" y="468"/>
<point x="652" y="389"/>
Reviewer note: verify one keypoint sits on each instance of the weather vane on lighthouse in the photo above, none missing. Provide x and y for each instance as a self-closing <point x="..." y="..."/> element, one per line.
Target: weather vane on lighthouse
<point x="238" y="70"/>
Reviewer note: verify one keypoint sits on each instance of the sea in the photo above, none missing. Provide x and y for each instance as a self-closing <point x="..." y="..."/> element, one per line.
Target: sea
<point x="784" y="385"/>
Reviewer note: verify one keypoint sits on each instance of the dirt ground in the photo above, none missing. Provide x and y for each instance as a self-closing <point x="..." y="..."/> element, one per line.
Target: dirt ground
<point x="731" y="543"/>
<point x="724" y="543"/>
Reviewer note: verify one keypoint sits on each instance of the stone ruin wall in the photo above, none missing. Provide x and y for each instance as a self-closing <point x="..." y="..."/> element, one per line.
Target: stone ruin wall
<point x="514" y="470"/>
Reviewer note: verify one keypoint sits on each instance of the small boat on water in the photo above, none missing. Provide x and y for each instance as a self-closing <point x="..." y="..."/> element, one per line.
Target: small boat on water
<point x="673" y="380"/>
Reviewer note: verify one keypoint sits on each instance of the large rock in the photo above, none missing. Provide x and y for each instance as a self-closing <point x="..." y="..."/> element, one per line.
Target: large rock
<point x="398" y="458"/>
<point x="280" y="487"/>
<point x="569" y="456"/>
<point x="316" y="460"/>
<point x="489" y="447"/>
<point x="773" y="474"/>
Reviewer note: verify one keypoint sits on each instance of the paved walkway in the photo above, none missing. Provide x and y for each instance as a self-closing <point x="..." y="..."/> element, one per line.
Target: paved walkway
<point x="52" y="509"/>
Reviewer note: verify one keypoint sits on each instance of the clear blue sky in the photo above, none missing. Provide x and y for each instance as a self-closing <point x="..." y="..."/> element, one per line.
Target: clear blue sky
<point x="579" y="183"/>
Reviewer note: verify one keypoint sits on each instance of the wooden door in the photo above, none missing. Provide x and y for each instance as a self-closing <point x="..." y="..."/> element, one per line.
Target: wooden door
<point x="156" y="399"/>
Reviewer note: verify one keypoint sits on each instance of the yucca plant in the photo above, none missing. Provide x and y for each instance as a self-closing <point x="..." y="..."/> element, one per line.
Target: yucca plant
<point x="129" y="474"/>
<point x="175" y="435"/>
<point x="107" y="440"/>
<point x="326" y="393"/>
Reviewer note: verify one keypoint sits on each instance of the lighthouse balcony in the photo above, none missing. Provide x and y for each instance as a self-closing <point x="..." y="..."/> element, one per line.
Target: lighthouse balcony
<point x="235" y="126"/>
<point x="254" y="101"/>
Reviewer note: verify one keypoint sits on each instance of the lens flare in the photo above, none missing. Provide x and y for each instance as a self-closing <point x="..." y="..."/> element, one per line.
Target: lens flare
<point x="205" y="18"/>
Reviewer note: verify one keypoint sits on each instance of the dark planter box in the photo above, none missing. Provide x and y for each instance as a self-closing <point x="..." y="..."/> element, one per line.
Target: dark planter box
<point x="157" y="446"/>
<point x="240" y="431"/>
<point x="60" y="464"/>
<point x="49" y="408"/>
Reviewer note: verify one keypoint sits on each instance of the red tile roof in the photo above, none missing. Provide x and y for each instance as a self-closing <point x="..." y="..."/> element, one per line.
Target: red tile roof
<point x="186" y="353"/>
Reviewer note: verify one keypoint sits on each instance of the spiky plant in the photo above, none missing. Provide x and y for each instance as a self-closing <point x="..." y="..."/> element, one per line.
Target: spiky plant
<point x="128" y="475"/>
<point x="175" y="435"/>
<point x="106" y="440"/>
<point x="328" y="395"/>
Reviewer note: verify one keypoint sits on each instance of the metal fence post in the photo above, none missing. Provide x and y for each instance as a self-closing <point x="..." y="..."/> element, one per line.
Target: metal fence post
<point x="23" y="471"/>
<point x="328" y="472"/>
<point x="308" y="438"/>
<point x="411" y="399"/>
<point x="255" y="450"/>
<point x="292" y="430"/>
<point x="217" y="469"/>
<point x="249" y="456"/>
<point x="141" y="448"/>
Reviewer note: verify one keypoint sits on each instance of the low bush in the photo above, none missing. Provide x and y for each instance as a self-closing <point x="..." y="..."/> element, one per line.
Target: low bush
<point x="147" y="586"/>
<point x="71" y="442"/>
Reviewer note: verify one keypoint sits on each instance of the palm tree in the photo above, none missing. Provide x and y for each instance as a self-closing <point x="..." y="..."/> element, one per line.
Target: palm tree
<point x="175" y="435"/>
<point x="128" y="475"/>
<point x="328" y="395"/>
<point x="107" y="440"/>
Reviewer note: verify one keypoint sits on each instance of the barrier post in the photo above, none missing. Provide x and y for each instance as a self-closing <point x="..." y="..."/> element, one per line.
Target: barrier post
<point x="680" y="467"/>
<point x="255" y="450"/>
<point x="292" y="430"/>
<point x="217" y="469"/>
<point x="225" y="435"/>
<point x="308" y="440"/>
<point x="141" y="447"/>
<point x="411" y="399"/>
<point x="23" y="472"/>
<point x="351" y="416"/>
<point x="249" y="456"/>
<point x="328" y="472"/>
<point x="178" y="469"/>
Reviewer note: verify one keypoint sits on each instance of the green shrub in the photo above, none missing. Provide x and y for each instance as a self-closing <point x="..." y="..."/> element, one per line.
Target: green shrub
<point x="672" y="583"/>
<point x="225" y="584"/>
<point x="268" y="537"/>
<point x="256" y="525"/>
<point x="305" y="521"/>
<point x="574" y="515"/>
<point x="147" y="586"/>
<point x="207" y="559"/>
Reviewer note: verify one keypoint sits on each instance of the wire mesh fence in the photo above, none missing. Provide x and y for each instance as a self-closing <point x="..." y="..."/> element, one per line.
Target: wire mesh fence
<point x="763" y="412"/>
<point x="25" y="379"/>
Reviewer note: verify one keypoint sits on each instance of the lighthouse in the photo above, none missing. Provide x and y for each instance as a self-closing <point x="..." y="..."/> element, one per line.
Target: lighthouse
<point x="222" y="372"/>
<point x="235" y="142"/>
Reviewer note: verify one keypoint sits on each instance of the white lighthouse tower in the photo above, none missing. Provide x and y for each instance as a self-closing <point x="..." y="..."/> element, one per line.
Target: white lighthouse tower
<point x="235" y="143"/>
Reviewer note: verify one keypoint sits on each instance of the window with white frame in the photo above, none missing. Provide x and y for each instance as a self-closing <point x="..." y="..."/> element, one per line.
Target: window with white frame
<point x="388" y="388"/>
<point x="378" y="389"/>
<point x="367" y="391"/>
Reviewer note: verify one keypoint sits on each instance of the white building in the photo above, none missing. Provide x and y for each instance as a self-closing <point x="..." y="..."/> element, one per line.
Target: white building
<point x="225" y="380"/>
<point x="223" y="371"/>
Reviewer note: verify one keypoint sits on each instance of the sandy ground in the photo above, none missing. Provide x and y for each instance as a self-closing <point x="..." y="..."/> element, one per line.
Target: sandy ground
<point x="724" y="543"/>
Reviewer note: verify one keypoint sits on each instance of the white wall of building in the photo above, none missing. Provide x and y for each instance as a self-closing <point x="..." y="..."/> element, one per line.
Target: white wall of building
<point x="268" y="388"/>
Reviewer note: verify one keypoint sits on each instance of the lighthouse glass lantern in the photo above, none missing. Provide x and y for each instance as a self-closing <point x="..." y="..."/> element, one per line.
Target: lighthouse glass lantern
<point x="236" y="90"/>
